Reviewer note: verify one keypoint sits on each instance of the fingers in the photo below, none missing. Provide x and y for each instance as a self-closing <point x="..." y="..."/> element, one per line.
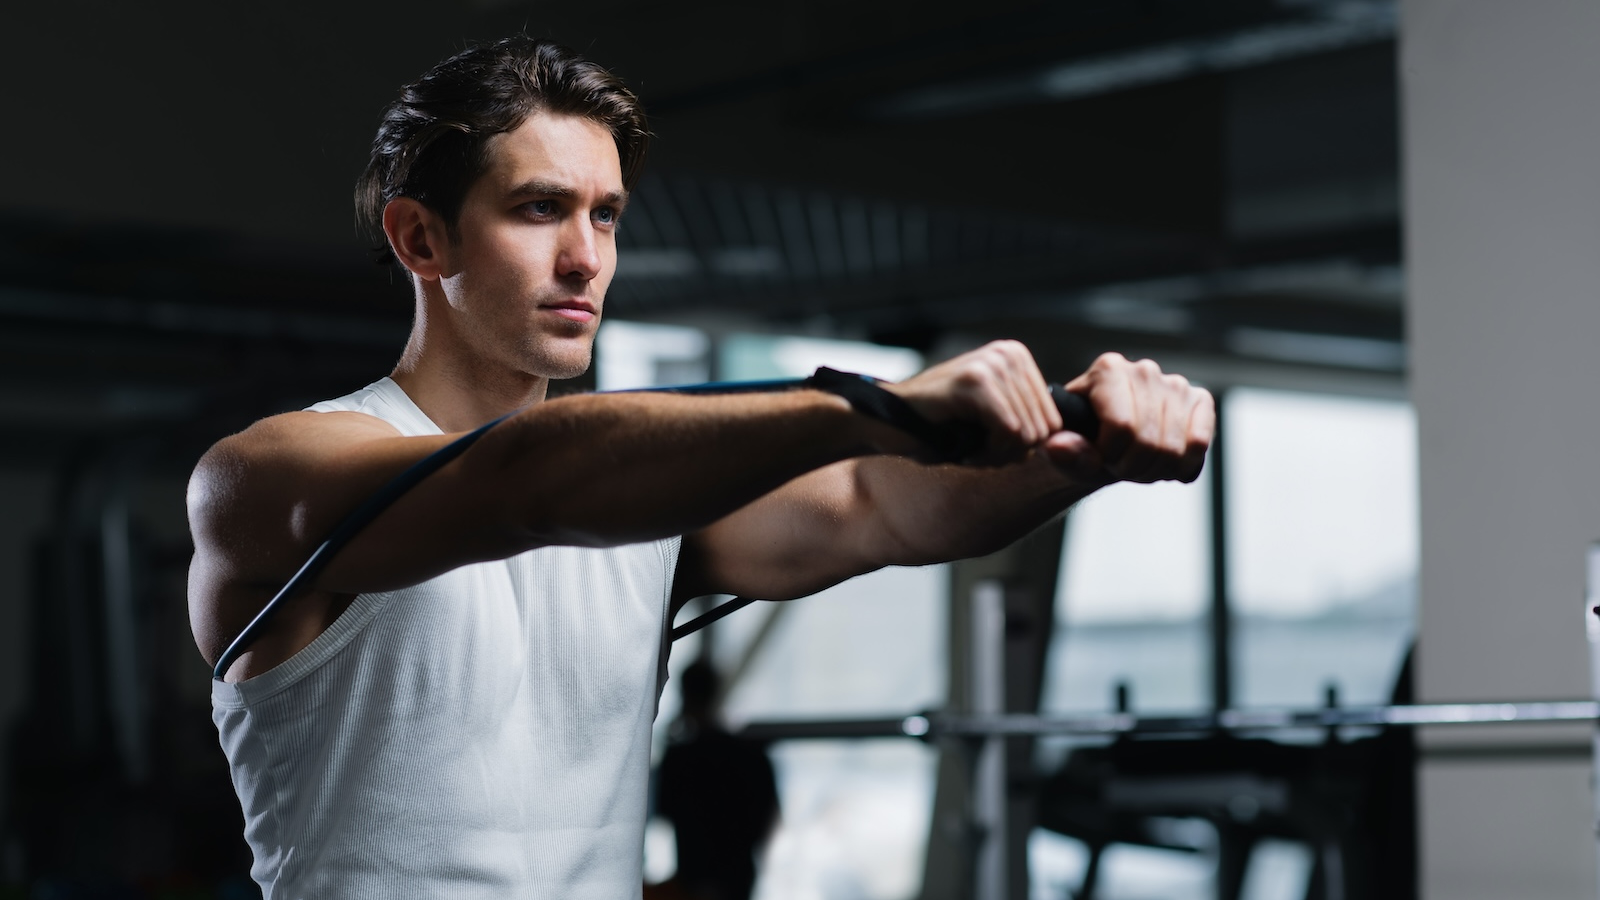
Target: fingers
<point x="998" y="385"/>
<point x="1072" y="453"/>
<point x="1034" y="392"/>
<point x="1000" y="367"/>
<point x="1201" y="431"/>
<point x="1019" y="388"/>
<point x="1154" y="426"/>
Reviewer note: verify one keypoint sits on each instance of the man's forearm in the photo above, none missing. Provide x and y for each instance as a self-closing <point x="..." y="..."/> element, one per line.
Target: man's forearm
<point x="616" y="469"/>
<point x="942" y="513"/>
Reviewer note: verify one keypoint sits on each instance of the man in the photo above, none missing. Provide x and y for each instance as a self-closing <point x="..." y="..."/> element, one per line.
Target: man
<point x="460" y="704"/>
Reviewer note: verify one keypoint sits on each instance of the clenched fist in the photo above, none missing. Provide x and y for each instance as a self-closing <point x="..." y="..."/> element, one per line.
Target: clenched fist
<point x="1153" y="426"/>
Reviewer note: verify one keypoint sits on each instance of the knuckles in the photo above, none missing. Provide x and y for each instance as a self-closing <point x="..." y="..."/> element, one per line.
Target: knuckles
<point x="998" y="357"/>
<point x="1110" y="358"/>
<point x="976" y="376"/>
<point x="1163" y="430"/>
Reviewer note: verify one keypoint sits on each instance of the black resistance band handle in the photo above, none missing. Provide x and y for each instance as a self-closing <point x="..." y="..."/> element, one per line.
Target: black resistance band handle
<point x="1076" y="413"/>
<point x="959" y="441"/>
<point x="950" y="441"/>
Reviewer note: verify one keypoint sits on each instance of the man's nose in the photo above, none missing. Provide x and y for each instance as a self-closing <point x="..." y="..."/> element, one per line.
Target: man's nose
<point x="579" y="255"/>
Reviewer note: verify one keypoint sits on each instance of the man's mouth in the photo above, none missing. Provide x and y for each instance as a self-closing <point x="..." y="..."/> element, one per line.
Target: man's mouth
<point x="576" y="310"/>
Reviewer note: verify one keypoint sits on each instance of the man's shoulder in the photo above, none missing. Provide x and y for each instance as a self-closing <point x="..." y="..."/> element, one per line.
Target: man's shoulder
<point x="248" y="469"/>
<point x="287" y="430"/>
<point x="281" y="440"/>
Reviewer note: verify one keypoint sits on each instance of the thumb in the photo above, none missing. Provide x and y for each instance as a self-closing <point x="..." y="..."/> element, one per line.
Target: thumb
<point x="1073" y="453"/>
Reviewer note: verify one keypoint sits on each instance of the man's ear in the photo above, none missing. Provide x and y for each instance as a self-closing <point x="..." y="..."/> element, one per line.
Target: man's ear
<point x="418" y="237"/>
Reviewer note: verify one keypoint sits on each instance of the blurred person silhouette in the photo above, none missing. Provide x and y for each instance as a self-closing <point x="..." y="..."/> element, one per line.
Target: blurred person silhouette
<point x="719" y="793"/>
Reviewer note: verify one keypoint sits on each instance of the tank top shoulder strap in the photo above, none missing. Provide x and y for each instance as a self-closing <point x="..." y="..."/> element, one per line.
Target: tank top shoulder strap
<point x="385" y="400"/>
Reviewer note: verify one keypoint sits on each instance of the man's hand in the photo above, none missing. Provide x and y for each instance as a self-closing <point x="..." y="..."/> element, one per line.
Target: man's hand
<point x="1153" y="426"/>
<point x="865" y="513"/>
<point x="998" y="386"/>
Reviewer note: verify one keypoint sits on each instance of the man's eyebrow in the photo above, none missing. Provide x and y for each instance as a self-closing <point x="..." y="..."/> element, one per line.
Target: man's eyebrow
<point x="542" y="189"/>
<point x="537" y="188"/>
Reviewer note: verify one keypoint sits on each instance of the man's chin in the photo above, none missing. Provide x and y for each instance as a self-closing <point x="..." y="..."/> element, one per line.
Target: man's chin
<point x="566" y="375"/>
<point x="560" y="359"/>
<point x="563" y="368"/>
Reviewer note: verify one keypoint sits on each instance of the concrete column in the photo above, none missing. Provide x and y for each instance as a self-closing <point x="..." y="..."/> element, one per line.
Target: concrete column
<point x="1501" y="103"/>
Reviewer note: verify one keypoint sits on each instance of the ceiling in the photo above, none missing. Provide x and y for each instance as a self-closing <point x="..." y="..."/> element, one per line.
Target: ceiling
<point x="1220" y="179"/>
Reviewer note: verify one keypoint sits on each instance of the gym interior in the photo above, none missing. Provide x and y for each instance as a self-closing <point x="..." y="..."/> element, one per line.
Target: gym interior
<point x="1370" y="228"/>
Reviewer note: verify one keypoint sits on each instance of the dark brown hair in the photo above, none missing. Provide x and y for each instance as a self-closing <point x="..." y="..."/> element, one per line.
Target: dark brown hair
<point x="431" y="144"/>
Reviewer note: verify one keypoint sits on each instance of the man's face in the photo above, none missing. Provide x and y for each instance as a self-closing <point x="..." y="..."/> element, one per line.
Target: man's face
<point x="536" y="246"/>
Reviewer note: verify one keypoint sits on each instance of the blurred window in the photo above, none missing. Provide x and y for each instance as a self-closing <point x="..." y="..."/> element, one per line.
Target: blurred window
<point x="756" y="356"/>
<point x="874" y="645"/>
<point x="1322" y="544"/>
<point x="1057" y="865"/>
<point x="638" y="354"/>
<point x="1132" y="601"/>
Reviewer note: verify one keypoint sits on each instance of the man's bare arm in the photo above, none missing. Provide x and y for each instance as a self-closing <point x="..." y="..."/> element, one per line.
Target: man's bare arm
<point x="588" y="471"/>
<point x="862" y="514"/>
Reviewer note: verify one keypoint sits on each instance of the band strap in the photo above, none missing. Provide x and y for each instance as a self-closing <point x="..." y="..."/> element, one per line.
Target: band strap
<point x="950" y="442"/>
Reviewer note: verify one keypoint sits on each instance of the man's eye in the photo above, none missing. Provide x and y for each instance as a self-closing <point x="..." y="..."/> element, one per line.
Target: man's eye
<point x="605" y="215"/>
<point x="542" y="207"/>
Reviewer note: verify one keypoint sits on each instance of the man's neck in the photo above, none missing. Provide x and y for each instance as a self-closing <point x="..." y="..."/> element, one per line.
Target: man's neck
<point x="461" y="394"/>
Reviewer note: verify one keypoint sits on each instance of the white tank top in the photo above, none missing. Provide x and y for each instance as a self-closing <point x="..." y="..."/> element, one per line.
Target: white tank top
<point x="485" y="734"/>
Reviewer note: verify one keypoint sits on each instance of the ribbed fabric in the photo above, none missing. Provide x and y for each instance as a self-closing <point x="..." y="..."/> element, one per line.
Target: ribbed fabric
<point x="485" y="734"/>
